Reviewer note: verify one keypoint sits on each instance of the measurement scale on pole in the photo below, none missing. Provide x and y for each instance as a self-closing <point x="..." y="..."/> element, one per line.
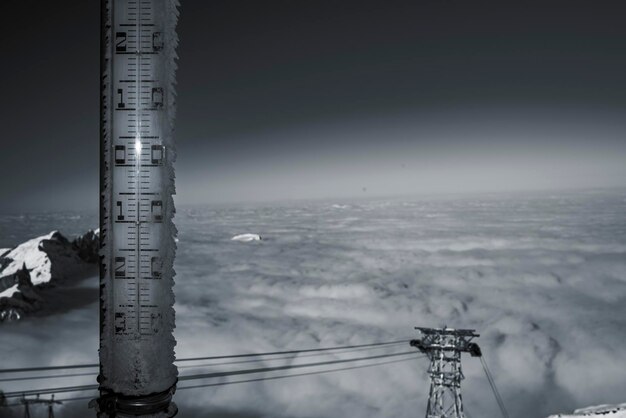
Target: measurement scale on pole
<point x="137" y="375"/>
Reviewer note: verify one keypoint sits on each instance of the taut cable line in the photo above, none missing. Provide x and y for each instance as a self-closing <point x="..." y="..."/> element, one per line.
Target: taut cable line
<point x="80" y="388"/>
<point x="269" y="378"/>
<point x="221" y="357"/>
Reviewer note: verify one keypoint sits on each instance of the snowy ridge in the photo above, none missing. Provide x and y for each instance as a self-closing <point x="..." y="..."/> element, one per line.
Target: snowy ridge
<point x="613" y="411"/>
<point x="39" y="262"/>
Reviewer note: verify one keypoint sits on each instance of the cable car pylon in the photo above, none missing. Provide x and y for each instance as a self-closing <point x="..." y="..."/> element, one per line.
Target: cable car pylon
<point x="444" y="346"/>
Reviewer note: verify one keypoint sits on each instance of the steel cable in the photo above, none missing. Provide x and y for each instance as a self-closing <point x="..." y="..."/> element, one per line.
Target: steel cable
<point x="208" y="375"/>
<point x="197" y="366"/>
<point x="494" y="388"/>
<point x="300" y="374"/>
<point x="271" y="353"/>
<point x="52" y="376"/>
<point x="289" y="357"/>
<point x="286" y="367"/>
<point x="362" y="366"/>
<point x="310" y="350"/>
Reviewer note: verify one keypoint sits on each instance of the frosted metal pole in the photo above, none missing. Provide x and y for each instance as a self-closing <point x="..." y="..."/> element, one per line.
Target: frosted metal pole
<point x="138" y="46"/>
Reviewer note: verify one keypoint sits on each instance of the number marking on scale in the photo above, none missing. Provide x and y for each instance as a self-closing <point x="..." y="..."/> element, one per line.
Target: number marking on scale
<point x="138" y="158"/>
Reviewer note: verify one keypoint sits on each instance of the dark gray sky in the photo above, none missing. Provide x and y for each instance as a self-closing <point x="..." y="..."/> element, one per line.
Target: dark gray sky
<point x="305" y="99"/>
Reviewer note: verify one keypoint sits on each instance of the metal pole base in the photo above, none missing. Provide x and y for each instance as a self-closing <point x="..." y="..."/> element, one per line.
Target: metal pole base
<point x="113" y="405"/>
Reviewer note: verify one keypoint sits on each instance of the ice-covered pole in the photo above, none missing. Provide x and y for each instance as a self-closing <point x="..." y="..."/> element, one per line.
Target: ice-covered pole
<point x="138" y="64"/>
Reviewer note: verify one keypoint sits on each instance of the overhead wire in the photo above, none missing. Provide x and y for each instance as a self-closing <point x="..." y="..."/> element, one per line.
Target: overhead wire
<point x="271" y="353"/>
<point x="289" y="357"/>
<point x="317" y="372"/>
<point x="341" y="369"/>
<point x="291" y="354"/>
<point x="80" y="388"/>
<point x="286" y="367"/>
<point x="52" y="376"/>
<point x="310" y="350"/>
<point x="48" y="391"/>
<point x="198" y="366"/>
<point x="494" y="388"/>
<point x="47" y="368"/>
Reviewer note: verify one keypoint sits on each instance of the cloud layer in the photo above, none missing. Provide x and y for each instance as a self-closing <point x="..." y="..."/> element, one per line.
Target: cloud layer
<point x="541" y="277"/>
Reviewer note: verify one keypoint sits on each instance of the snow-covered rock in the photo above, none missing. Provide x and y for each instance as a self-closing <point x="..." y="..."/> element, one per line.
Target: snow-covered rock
<point x="23" y="295"/>
<point x="38" y="262"/>
<point x="88" y="245"/>
<point x="38" y="255"/>
<point x="246" y="237"/>
<point x="610" y="411"/>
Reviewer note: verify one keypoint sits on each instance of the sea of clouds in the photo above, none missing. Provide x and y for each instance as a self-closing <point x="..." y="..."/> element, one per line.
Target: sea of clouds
<point x="542" y="278"/>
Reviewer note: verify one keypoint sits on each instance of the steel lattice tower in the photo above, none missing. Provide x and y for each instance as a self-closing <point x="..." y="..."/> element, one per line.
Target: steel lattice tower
<point x="444" y="346"/>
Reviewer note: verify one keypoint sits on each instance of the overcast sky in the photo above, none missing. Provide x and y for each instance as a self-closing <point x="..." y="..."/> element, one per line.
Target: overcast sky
<point x="297" y="99"/>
